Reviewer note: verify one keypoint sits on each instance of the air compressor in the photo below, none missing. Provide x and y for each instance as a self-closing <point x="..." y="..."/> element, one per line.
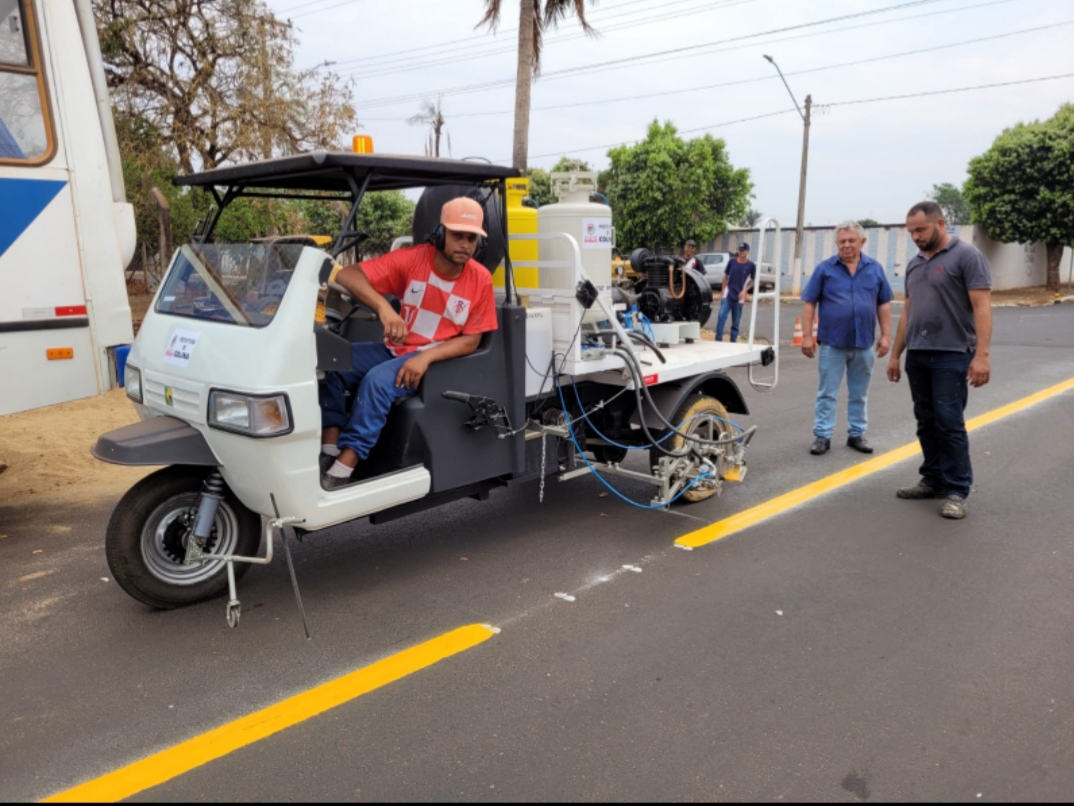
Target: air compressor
<point x="667" y="291"/>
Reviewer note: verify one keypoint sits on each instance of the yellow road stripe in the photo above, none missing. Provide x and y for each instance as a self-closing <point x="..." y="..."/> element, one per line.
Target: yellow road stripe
<point x="787" y="501"/>
<point x="182" y="758"/>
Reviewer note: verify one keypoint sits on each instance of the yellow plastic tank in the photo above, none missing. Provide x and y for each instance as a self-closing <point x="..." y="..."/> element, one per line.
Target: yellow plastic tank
<point x="521" y="220"/>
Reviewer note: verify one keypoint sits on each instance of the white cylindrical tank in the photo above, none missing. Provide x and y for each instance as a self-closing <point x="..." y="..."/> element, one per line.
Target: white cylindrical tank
<point x="588" y="223"/>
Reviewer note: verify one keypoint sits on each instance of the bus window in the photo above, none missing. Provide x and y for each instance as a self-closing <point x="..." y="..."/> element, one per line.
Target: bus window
<point x="25" y="131"/>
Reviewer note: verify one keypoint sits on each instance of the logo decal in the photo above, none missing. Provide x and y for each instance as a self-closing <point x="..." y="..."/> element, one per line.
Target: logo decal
<point x="181" y="347"/>
<point x="21" y="202"/>
<point x="168" y="396"/>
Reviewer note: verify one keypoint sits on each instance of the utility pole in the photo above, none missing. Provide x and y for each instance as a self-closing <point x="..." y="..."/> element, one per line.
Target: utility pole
<point x="796" y="277"/>
<point x="796" y="272"/>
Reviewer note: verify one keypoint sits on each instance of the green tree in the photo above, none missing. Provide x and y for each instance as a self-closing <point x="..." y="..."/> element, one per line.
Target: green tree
<point x="1022" y="189"/>
<point x="665" y="189"/>
<point x="385" y="215"/>
<point x="570" y="164"/>
<point x="541" y="186"/>
<point x="216" y="79"/>
<point x="866" y="223"/>
<point x="535" y="17"/>
<point x="956" y="210"/>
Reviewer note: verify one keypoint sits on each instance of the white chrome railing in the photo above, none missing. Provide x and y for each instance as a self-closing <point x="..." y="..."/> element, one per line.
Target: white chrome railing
<point x="767" y="386"/>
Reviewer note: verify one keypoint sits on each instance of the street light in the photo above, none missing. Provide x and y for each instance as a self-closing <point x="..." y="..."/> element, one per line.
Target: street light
<point x="796" y="276"/>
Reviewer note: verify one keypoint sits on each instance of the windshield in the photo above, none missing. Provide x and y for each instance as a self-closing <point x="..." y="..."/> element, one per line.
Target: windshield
<point x="241" y="284"/>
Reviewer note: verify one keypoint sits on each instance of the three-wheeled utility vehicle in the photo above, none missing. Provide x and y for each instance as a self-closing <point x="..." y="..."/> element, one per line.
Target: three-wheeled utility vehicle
<point x="224" y="374"/>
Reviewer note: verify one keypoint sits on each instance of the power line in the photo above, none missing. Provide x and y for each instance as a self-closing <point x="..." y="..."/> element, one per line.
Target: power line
<point x="325" y="8"/>
<point x="828" y="105"/>
<point x="418" y="63"/>
<point x="289" y="9"/>
<point x="947" y="92"/>
<point x="681" y="131"/>
<point x="738" y="82"/>
<point x="687" y="51"/>
<point x="465" y="43"/>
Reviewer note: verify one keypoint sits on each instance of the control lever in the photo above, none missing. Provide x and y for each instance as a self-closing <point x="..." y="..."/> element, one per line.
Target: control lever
<point x="486" y="411"/>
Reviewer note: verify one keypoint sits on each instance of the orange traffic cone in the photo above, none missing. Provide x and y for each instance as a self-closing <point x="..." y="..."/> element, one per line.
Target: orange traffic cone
<point x="797" y="340"/>
<point x="816" y="328"/>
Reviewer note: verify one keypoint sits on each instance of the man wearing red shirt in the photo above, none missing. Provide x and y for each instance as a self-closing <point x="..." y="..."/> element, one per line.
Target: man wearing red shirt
<point x="447" y="303"/>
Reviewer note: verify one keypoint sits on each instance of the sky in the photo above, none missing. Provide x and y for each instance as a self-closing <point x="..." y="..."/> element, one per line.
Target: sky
<point x="700" y="65"/>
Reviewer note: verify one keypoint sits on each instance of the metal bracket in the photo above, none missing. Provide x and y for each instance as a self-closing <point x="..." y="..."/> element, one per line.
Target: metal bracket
<point x="277" y="524"/>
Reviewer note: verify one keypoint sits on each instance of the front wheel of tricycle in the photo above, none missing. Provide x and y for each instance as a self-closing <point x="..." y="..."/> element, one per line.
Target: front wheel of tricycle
<point x="146" y="540"/>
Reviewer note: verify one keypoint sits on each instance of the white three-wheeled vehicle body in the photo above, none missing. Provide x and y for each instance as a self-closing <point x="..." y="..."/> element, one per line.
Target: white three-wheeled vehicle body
<point x="225" y="370"/>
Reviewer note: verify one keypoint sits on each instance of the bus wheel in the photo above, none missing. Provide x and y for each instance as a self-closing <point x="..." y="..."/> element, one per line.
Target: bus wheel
<point x="147" y="535"/>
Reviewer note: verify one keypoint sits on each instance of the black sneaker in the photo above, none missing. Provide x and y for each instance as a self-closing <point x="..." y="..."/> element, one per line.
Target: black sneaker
<point x="820" y="446"/>
<point x="920" y="490"/>
<point x="326" y="461"/>
<point x="330" y="483"/>
<point x="955" y="508"/>
<point x="859" y="444"/>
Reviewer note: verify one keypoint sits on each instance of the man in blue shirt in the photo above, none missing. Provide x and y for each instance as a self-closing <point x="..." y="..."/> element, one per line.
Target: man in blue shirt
<point x="853" y="293"/>
<point x="737" y="279"/>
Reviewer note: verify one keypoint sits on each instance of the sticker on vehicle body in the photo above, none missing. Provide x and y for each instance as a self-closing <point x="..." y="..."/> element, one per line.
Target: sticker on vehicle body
<point x="181" y="347"/>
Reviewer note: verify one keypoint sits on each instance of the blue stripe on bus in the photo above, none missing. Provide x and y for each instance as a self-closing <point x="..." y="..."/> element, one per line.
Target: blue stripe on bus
<point x="21" y="202"/>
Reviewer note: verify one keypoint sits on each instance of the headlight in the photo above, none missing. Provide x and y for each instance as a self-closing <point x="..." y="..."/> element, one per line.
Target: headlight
<point x="132" y="379"/>
<point x="255" y="416"/>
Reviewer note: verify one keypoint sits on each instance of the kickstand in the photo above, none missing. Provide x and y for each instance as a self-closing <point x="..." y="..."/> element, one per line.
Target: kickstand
<point x="284" y="529"/>
<point x="294" y="579"/>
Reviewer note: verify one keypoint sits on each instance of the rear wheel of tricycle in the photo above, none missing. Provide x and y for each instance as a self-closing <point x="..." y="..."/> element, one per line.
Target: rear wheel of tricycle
<point x="701" y="416"/>
<point x="146" y="540"/>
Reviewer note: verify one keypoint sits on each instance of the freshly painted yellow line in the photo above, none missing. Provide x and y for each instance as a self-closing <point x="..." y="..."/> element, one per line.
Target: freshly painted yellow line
<point x="182" y="758"/>
<point x="787" y="501"/>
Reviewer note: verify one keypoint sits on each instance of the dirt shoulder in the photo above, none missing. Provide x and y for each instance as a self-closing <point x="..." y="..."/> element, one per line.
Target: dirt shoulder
<point x="47" y="451"/>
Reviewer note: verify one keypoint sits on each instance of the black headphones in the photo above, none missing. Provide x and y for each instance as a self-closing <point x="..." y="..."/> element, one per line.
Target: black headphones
<point x="438" y="238"/>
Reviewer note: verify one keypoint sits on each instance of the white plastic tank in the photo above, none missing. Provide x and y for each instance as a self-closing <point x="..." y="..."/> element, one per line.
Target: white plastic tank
<point x="588" y="223"/>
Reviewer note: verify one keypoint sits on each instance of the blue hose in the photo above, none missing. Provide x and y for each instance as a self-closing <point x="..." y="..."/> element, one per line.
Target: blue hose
<point x="602" y="480"/>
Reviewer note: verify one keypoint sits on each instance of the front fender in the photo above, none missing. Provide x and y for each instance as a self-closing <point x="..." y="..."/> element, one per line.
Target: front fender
<point x="669" y="396"/>
<point x="157" y="441"/>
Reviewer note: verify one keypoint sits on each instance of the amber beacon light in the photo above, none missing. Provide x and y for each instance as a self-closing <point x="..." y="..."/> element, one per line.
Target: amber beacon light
<point x="362" y="144"/>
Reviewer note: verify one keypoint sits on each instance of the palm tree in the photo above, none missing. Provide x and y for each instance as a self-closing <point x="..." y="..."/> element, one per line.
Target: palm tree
<point x="752" y="217"/>
<point x="432" y="115"/>
<point x="535" y="16"/>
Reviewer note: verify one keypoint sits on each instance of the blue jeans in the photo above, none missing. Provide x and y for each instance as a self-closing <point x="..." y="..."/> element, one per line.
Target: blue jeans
<point x="728" y="305"/>
<point x="858" y="366"/>
<point x="939" y="387"/>
<point x="373" y="373"/>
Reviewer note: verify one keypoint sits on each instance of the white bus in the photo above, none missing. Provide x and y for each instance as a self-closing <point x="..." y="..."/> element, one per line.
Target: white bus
<point x="66" y="230"/>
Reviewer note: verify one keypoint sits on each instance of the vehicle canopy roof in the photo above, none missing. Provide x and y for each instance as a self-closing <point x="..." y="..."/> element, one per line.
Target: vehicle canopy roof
<point x="325" y="171"/>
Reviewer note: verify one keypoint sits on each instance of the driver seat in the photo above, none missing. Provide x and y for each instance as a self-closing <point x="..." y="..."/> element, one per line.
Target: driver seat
<point x="426" y="429"/>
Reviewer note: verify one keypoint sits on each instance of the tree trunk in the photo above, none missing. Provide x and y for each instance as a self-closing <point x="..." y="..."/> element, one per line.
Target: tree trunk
<point x="164" y="217"/>
<point x="436" y="129"/>
<point x="523" y="83"/>
<point x="1055" y="255"/>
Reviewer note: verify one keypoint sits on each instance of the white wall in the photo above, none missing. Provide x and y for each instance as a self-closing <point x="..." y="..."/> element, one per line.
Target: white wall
<point x="1013" y="265"/>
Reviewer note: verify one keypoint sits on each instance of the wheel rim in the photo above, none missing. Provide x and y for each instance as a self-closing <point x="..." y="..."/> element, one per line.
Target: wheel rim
<point x="708" y="427"/>
<point x="163" y="536"/>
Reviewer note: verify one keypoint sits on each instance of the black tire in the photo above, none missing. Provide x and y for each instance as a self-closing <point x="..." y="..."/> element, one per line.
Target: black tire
<point x="691" y="409"/>
<point x="144" y="547"/>
<point x="609" y="453"/>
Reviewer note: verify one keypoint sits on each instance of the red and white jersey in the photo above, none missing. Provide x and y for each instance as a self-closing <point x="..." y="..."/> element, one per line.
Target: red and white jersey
<point x="435" y="309"/>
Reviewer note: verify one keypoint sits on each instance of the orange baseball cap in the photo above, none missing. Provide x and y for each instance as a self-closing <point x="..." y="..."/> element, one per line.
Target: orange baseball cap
<point x="463" y="215"/>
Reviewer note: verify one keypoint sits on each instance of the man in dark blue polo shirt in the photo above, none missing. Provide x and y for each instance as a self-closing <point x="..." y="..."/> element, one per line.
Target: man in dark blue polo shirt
<point x="853" y="293"/>
<point x="946" y="329"/>
<point x="738" y="277"/>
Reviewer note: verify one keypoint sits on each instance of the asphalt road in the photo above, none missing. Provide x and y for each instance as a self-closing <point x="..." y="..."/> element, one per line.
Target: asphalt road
<point x="856" y="648"/>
